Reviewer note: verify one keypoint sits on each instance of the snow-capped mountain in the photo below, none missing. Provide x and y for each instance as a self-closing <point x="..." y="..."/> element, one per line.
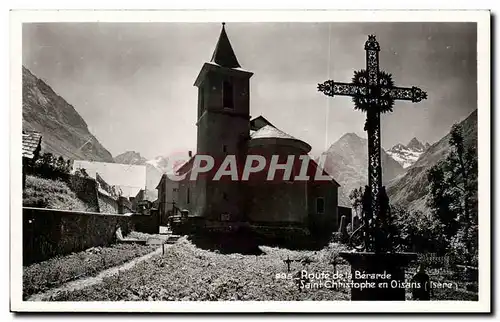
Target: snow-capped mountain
<point x="406" y="155"/>
<point x="411" y="189"/>
<point x="160" y="163"/>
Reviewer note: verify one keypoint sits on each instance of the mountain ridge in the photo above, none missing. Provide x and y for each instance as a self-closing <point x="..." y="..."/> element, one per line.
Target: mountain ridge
<point x="130" y="157"/>
<point x="410" y="189"/>
<point x="64" y="132"/>
<point x="407" y="154"/>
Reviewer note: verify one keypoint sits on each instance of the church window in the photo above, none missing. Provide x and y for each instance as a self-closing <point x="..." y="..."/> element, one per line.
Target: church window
<point x="227" y="95"/>
<point x="320" y="205"/>
<point x="187" y="196"/>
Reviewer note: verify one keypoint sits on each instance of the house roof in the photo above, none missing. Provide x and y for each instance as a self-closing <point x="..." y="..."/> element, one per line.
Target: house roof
<point x="162" y="180"/>
<point x="105" y="187"/>
<point x="31" y="143"/>
<point x="223" y="54"/>
<point x="269" y="131"/>
<point x="186" y="167"/>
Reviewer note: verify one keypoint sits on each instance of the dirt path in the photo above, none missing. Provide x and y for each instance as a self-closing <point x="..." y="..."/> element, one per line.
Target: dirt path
<point x="88" y="281"/>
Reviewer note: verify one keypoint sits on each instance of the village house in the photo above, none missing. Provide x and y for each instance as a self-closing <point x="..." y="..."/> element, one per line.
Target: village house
<point x="167" y="197"/>
<point x="32" y="145"/>
<point x="224" y="127"/>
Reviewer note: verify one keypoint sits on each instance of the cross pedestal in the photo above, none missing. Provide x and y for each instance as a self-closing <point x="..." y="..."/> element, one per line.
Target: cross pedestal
<point x="369" y="263"/>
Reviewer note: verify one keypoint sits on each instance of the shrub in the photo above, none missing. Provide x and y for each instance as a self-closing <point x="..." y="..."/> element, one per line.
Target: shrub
<point x="418" y="232"/>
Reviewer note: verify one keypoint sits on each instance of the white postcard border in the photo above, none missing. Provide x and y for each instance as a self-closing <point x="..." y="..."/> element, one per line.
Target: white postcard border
<point x="482" y="18"/>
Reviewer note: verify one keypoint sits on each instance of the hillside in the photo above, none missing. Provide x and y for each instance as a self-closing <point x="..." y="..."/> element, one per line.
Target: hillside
<point x="347" y="160"/>
<point x="411" y="189"/>
<point x="64" y="131"/>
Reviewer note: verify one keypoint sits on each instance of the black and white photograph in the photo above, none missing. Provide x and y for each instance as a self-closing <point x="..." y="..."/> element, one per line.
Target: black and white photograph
<point x="182" y="163"/>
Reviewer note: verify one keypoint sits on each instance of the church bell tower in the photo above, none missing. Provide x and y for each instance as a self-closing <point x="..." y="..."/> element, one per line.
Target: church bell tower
<point x="223" y="122"/>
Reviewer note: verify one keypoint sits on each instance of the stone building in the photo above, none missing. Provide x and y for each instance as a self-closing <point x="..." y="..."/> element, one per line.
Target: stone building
<point x="167" y="197"/>
<point x="224" y="127"/>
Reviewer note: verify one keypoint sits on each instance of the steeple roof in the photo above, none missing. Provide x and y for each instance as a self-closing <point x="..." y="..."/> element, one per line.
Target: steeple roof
<point x="223" y="53"/>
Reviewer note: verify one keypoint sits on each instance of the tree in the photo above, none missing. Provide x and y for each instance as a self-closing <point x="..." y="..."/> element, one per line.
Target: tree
<point x="442" y="198"/>
<point x="51" y="167"/>
<point x="453" y="195"/>
<point x="62" y="165"/>
<point x="417" y="231"/>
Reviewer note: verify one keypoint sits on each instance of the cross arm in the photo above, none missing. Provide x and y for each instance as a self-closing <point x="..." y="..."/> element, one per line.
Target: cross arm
<point x="331" y="88"/>
<point x="413" y="94"/>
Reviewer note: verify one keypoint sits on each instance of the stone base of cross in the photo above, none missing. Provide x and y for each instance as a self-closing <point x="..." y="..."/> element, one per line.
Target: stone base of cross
<point x="373" y="92"/>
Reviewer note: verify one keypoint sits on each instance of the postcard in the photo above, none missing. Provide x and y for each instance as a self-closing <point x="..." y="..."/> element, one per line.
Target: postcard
<point x="250" y="161"/>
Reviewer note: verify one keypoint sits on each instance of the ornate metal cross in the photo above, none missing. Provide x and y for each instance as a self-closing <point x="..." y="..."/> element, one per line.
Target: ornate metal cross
<point x="373" y="92"/>
<point x="288" y="261"/>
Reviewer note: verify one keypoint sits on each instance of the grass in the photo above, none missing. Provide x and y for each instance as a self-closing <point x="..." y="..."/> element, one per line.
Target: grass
<point x="55" y="194"/>
<point x="56" y="271"/>
<point x="186" y="272"/>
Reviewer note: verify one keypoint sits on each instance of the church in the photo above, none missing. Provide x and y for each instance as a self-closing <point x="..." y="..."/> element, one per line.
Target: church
<point x="273" y="209"/>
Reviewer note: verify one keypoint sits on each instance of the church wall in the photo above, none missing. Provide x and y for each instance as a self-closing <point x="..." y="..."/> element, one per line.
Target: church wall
<point x="277" y="201"/>
<point x="196" y="190"/>
<point x="225" y="201"/>
<point x="328" y="220"/>
<point x="220" y="135"/>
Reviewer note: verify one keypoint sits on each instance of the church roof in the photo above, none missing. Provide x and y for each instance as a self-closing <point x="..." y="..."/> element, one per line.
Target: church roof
<point x="258" y="123"/>
<point x="312" y="169"/>
<point x="223" y="54"/>
<point x="269" y="131"/>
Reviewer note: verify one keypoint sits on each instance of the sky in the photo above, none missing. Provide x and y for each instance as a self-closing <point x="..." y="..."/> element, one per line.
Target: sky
<point x="133" y="82"/>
